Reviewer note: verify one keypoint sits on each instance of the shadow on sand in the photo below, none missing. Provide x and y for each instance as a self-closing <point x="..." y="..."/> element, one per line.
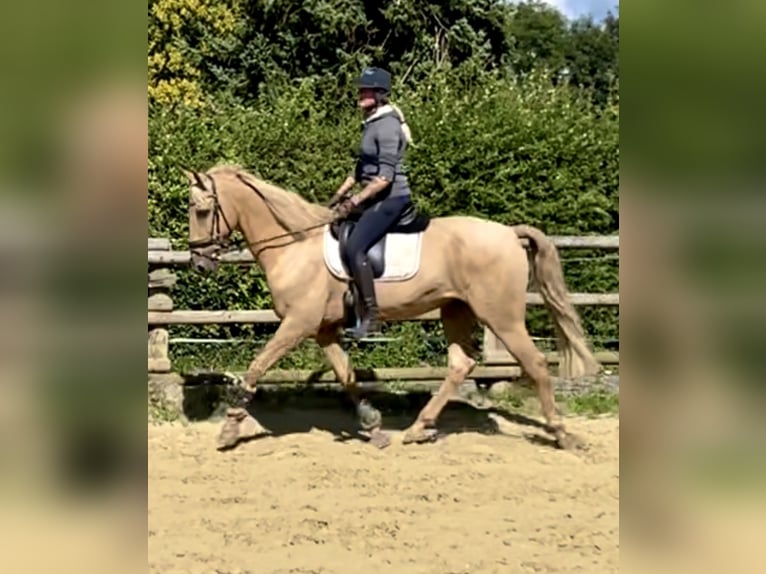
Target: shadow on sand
<point x="299" y="409"/>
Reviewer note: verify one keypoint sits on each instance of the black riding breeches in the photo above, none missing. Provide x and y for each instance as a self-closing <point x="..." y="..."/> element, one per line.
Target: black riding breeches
<point x="372" y="226"/>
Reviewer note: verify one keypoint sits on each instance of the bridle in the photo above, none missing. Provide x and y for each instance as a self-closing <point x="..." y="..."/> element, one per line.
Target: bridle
<point x="215" y="238"/>
<point x="224" y="245"/>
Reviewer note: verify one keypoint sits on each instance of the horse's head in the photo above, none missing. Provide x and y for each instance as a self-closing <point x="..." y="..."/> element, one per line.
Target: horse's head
<point x="212" y="218"/>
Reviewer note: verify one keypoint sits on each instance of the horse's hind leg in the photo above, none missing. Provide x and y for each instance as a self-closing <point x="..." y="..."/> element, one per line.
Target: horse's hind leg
<point x="458" y="321"/>
<point x="518" y="342"/>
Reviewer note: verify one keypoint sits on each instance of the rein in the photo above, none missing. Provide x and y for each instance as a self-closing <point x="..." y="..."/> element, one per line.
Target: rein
<point x="231" y="246"/>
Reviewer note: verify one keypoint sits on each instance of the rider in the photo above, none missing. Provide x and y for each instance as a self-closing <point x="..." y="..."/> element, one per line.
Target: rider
<point x="386" y="192"/>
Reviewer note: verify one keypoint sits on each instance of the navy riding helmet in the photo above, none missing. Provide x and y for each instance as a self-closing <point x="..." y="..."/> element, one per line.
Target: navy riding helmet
<point x="377" y="79"/>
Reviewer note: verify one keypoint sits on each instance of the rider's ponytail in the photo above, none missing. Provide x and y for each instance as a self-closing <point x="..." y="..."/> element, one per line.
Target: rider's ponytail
<point x="405" y="127"/>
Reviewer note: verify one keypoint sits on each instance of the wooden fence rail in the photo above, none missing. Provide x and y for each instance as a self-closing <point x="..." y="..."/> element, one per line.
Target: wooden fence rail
<point x="160" y="250"/>
<point x="498" y="362"/>
<point x="188" y="317"/>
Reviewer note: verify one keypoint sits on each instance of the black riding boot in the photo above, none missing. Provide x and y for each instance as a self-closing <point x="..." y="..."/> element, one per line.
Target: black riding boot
<point x="365" y="283"/>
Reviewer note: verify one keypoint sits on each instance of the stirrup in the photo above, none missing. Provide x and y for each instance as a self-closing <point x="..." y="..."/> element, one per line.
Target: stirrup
<point x="360" y="334"/>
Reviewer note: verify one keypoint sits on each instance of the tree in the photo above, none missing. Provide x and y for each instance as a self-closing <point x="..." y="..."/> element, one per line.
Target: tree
<point x="186" y="39"/>
<point x="539" y="38"/>
<point x="592" y="55"/>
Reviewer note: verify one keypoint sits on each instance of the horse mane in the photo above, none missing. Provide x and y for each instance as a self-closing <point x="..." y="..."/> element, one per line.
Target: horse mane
<point x="291" y="211"/>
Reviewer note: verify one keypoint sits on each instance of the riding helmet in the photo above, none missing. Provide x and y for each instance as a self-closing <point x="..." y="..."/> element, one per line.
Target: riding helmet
<point x="376" y="78"/>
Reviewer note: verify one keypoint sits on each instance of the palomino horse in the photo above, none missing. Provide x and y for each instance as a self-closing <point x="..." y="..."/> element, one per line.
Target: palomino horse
<point x="473" y="270"/>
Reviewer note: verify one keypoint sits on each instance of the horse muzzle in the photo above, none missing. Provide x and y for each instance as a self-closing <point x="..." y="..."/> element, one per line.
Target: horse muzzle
<point x="205" y="260"/>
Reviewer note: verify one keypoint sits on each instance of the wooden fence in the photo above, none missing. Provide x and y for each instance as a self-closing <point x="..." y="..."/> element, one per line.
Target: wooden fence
<point x="497" y="362"/>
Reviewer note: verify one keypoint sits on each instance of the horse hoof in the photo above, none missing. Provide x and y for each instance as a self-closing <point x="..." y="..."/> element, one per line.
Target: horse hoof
<point x="226" y="444"/>
<point x="420" y="437"/>
<point x="369" y="417"/>
<point x="569" y="441"/>
<point x="379" y="439"/>
<point x="251" y="428"/>
<point x="229" y="435"/>
<point x="239" y="425"/>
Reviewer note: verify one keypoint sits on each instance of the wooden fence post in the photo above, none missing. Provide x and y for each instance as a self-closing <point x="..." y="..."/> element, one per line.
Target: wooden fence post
<point x="161" y="281"/>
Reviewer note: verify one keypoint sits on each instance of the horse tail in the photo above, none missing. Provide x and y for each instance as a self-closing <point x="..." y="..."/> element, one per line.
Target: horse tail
<point x="576" y="358"/>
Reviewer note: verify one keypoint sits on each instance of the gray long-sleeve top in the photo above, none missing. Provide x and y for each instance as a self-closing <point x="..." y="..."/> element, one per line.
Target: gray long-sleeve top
<point x="382" y="153"/>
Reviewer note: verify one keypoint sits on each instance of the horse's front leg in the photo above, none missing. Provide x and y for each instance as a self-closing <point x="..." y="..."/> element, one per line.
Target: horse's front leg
<point x="239" y="422"/>
<point x="370" y="418"/>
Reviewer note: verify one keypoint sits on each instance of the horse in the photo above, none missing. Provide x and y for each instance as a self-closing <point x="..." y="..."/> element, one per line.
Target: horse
<point x="474" y="270"/>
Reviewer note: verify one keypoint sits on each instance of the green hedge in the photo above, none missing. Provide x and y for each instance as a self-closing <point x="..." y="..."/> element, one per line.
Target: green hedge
<point x="484" y="145"/>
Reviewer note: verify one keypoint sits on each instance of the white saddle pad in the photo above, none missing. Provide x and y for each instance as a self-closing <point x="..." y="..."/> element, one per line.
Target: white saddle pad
<point x="402" y="256"/>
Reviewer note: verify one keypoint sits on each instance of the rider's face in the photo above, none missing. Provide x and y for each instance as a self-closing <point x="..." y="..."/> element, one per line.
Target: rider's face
<point x="366" y="98"/>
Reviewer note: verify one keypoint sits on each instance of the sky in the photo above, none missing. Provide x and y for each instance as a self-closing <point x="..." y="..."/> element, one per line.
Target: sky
<point x="575" y="8"/>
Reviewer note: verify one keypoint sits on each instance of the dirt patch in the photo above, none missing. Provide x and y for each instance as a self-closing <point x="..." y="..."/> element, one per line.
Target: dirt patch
<point x="310" y="502"/>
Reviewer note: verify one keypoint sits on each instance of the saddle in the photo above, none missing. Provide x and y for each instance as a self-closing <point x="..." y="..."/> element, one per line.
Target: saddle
<point x="410" y="221"/>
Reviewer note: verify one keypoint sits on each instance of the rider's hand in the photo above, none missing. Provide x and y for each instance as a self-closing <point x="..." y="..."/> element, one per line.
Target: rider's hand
<point x="338" y="196"/>
<point x="341" y="192"/>
<point x="343" y="209"/>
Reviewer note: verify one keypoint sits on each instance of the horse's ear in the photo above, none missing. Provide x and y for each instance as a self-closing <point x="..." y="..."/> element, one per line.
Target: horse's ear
<point x="193" y="177"/>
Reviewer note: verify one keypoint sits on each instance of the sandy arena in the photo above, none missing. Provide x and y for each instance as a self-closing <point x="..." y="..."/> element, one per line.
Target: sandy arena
<point x="307" y="502"/>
